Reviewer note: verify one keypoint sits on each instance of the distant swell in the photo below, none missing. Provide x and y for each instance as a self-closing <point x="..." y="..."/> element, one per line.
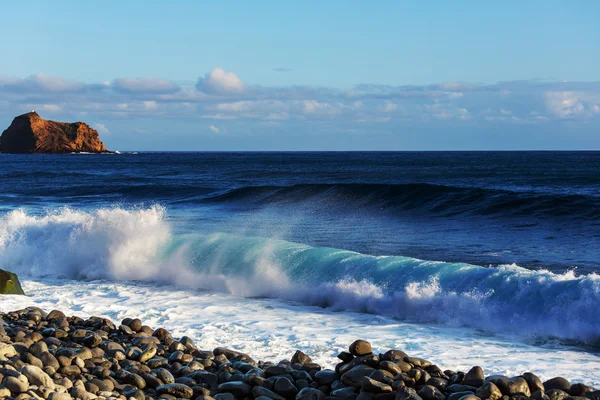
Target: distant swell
<point x="138" y="244"/>
<point x="422" y="197"/>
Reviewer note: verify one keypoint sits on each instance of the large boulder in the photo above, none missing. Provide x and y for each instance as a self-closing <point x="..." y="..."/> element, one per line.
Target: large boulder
<point x="29" y="133"/>
<point x="9" y="283"/>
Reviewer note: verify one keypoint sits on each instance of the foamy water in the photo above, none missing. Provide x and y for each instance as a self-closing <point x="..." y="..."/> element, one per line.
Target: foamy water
<point x="270" y="329"/>
<point x="139" y="244"/>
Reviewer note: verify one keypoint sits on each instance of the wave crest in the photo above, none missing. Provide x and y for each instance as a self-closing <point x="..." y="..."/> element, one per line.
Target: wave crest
<point x="138" y="244"/>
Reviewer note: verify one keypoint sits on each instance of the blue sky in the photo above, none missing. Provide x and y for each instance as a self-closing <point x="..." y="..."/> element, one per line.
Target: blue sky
<point x="335" y="75"/>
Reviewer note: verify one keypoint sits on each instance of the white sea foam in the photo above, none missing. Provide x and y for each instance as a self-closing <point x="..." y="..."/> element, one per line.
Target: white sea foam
<point x="138" y="244"/>
<point x="269" y="329"/>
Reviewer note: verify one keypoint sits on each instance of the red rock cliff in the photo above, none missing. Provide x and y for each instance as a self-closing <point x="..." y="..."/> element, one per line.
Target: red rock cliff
<point x="29" y="133"/>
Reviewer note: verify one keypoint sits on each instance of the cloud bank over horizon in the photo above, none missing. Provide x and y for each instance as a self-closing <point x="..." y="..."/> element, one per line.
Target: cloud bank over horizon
<point x="221" y="103"/>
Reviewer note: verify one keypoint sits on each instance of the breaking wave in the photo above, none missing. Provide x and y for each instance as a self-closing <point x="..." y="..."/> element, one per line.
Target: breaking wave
<point x="139" y="244"/>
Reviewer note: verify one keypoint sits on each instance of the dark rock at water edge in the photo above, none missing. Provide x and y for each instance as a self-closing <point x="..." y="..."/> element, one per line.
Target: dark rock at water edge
<point x="9" y="283"/>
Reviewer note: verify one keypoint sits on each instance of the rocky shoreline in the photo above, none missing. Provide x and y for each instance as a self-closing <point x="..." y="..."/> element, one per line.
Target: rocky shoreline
<point x="53" y="356"/>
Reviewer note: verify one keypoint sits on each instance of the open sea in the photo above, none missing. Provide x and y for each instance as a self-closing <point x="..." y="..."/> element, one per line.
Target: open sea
<point x="463" y="258"/>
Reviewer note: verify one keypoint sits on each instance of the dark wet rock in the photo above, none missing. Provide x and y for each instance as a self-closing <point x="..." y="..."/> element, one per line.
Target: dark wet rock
<point x="258" y="391"/>
<point x="557" y="394"/>
<point x="459" y="395"/>
<point x="353" y="377"/>
<point x="373" y="386"/>
<point x="300" y="358"/>
<point x="238" y="389"/>
<point x="429" y="392"/>
<point x="559" y="383"/>
<point x="285" y="387"/>
<point x="539" y="395"/>
<point x="344" y="394"/>
<point x="360" y="348"/>
<point x="474" y="377"/>
<point x="310" y="394"/>
<point x="418" y="362"/>
<point x="393" y="355"/>
<point x="225" y="396"/>
<point x="489" y="391"/>
<point x="326" y="377"/>
<point x="580" y="389"/>
<point x="533" y="381"/>
<point x="405" y="393"/>
<point x="177" y="390"/>
<point x="460" y="388"/>
<point x="510" y="386"/>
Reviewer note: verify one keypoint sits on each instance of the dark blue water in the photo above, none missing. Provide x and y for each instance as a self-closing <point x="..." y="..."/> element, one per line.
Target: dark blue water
<point x="535" y="209"/>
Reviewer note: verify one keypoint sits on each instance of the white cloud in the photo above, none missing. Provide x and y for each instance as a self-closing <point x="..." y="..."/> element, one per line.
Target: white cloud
<point x="219" y="81"/>
<point x="51" y="107"/>
<point x="280" y="116"/>
<point x="568" y="104"/>
<point x="145" y="85"/>
<point x="101" y="128"/>
<point x="150" y="105"/>
<point x="214" y="129"/>
<point x="316" y="107"/>
<point x="389" y="107"/>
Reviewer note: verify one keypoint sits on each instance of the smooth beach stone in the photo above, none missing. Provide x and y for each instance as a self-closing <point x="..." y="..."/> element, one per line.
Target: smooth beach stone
<point x="147" y="354"/>
<point x="461" y="388"/>
<point x="300" y="358"/>
<point x="15" y="385"/>
<point x="259" y="391"/>
<point x="429" y="392"/>
<point x="310" y="394"/>
<point x="59" y="396"/>
<point x="238" y="389"/>
<point x="360" y="348"/>
<point x="393" y="355"/>
<point x="439" y="383"/>
<point x="417" y="362"/>
<point x="326" y="377"/>
<point x="489" y="391"/>
<point x="557" y="394"/>
<point x="533" y="381"/>
<point x="176" y="389"/>
<point x="510" y="386"/>
<point x="580" y="389"/>
<point x="474" y="377"/>
<point x="37" y="377"/>
<point x="559" y="383"/>
<point x="405" y="393"/>
<point x="390" y="367"/>
<point x="285" y="387"/>
<point x="7" y="351"/>
<point x="347" y="393"/>
<point x="353" y="377"/>
<point x="469" y="397"/>
<point x="374" y="386"/>
<point x="459" y="395"/>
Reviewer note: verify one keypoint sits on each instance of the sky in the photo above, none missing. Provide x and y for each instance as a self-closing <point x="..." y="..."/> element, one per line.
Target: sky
<point x="309" y="75"/>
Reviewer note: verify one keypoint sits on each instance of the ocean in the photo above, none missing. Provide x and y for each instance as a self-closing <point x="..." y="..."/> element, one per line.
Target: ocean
<point x="464" y="258"/>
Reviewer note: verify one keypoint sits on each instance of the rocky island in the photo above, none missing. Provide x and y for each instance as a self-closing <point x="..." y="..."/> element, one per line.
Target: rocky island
<point x="29" y="133"/>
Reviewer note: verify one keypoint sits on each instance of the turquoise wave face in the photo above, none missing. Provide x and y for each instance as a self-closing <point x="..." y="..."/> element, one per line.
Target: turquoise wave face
<point x="505" y="298"/>
<point x="138" y="244"/>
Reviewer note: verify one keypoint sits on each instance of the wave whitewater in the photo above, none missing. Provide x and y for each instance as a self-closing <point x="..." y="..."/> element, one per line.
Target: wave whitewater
<point x="138" y="244"/>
